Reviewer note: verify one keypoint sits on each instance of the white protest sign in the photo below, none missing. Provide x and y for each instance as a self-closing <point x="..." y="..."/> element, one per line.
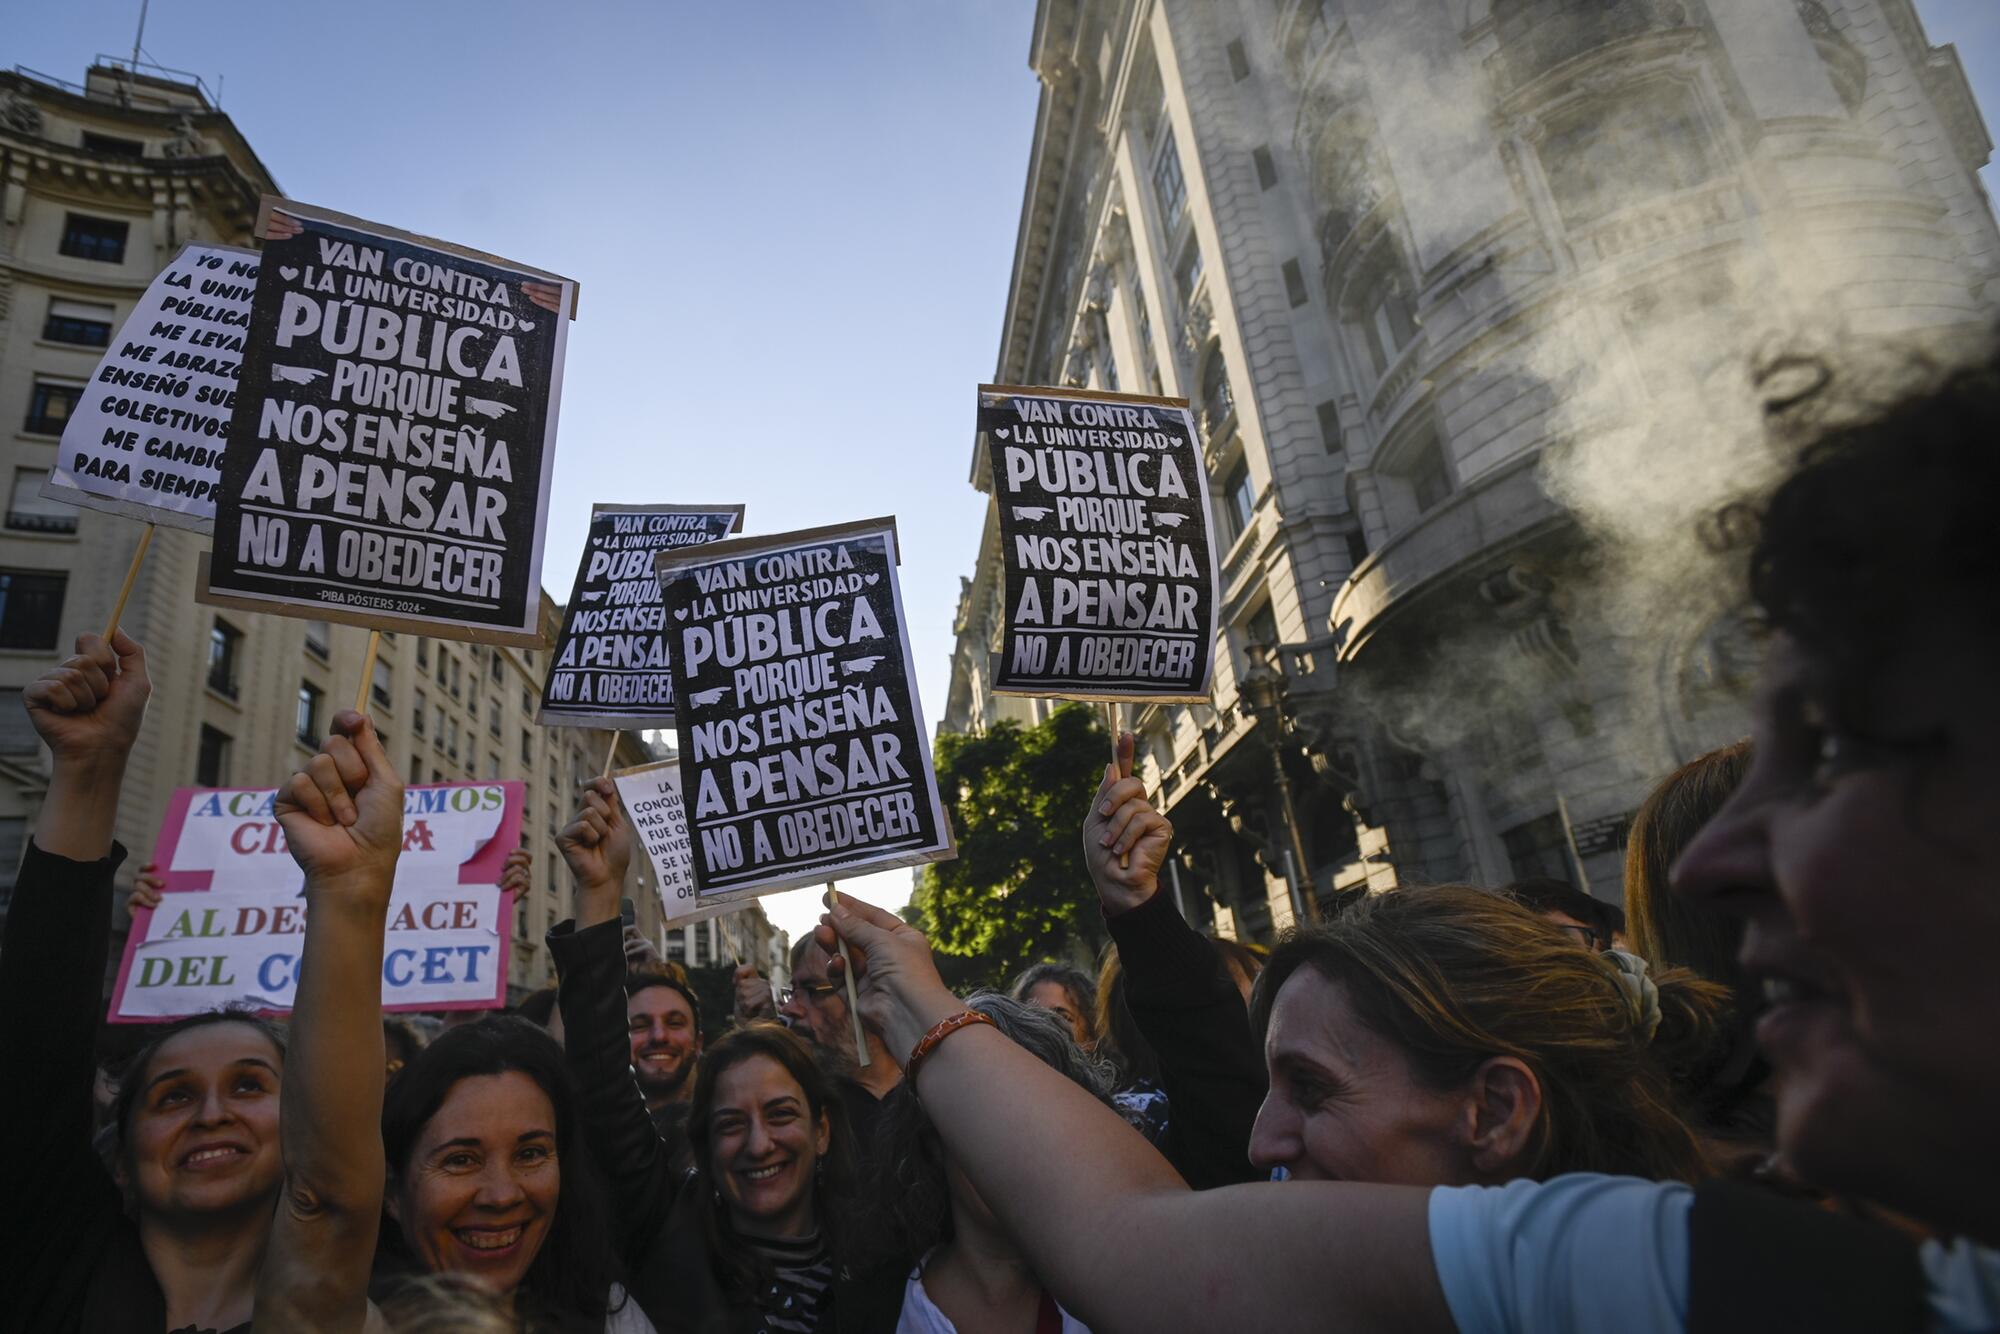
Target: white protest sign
<point x="146" y="438"/>
<point x="230" y="927"/>
<point x="652" y="797"/>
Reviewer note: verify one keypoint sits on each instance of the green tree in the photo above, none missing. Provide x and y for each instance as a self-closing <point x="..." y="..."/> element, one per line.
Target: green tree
<point x="1018" y="892"/>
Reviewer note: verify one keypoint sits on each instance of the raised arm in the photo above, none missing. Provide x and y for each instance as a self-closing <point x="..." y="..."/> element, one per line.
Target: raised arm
<point x="88" y="711"/>
<point x="343" y="820"/>
<point x="1104" y="1220"/>
<point x="1181" y="995"/>
<point x="590" y="963"/>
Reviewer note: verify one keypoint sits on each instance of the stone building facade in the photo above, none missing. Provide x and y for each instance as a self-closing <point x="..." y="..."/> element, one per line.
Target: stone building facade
<point x="1463" y="293"/>
<point x="100" y="185"/>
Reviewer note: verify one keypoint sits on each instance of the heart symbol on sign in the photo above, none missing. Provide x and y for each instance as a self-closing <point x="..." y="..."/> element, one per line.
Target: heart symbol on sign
<point x="527" y="326"/>
<point x="288" y="271"/>
<point x="1001" y="431"/>
<point x="870" y="578"/>
<point x="680" y="613"/>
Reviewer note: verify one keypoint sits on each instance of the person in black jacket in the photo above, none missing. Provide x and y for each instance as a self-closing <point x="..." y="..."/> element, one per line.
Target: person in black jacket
<point x="750" y="1240"/>
<point x="216" y="1205"/>
<point x="1181" y="995"/>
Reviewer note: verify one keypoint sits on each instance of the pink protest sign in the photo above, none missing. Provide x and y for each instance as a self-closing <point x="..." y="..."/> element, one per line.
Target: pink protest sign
<point x="231" y="927"/>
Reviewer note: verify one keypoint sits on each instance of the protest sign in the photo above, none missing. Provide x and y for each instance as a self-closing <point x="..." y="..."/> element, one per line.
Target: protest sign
<point x="610" y="665"/>
<point x="394" y="433"/>
<point x="146" y="439"/>
<point x="651" y="794"/>
<point x="230" y="927"/>
<point x="802" y="741"/>
<point x="1106" y="543"/>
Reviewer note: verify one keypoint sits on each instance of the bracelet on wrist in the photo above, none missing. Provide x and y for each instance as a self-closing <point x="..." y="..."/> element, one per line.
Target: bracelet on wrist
<point x="941" y="1030"/>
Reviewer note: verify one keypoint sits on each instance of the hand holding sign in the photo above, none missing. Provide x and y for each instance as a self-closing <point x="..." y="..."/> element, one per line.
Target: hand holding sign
<point x="597" y="845"/>
<point x="902" y="995"/>
<point x="343" y="814"/>
<point x="1122" y="824"/>
<point x="147" y="887"/>
<point x="753" y="994"/>
<point x="89" y="709"/>
<point x="516" y="875"/>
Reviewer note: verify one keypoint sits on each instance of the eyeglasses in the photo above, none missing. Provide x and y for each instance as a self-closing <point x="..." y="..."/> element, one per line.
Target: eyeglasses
<point x="813" y="991"/>
<point x="1587" y="936"/>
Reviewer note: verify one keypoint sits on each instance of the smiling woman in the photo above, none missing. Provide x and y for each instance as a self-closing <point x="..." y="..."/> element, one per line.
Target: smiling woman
<point x="485" y="1180"/>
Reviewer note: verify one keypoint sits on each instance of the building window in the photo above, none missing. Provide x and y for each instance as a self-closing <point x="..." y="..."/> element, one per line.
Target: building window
<point x="444" y="672"/>
<point x="1295" y="283"/>
<point x="17" y="734"/>
<point x="83" y="323"/>
<point x="50" y="405"/>
<point x="1239" y="61"/>
<point x="1539" y="849"/>
<point x="1601" y="158"/>
<point x="472" y="705"/>
<point x="437" y="732"/>
<point x="1329" y="426"/>
<point x="211" y="765"/>
<point x="1169" y="186"/>
<point x="1107" y="371"/>
<point x="1357" y="546"/>
<point x="493" y="720"/>
<point x="1429" y="478"/>
<point x="31" y="606"/>
<point x="498" y="663"/>
<point x="1239" y="501"/>
<point x="28" y="511"/>
<point x="1218" y="405"/>
<point x="382" y="689"/>
<point x="1388" y="319"/>
<point x="492" y="766"/>
<point x="527" y="746"/>
<point x="1267" y="168"/>
<point x="1187" y="273"/>
<point x="307" y="721"/>
<point x="101" y="239"/>
<point x="423" y="654"/>
<point x="225" y="651"/>
<point x="112" y="146"/>
<point x="451" y="738"/>
<point x="1262" y="627"/>
<point x="416" y="766"/>
<point x="417" y="726"/>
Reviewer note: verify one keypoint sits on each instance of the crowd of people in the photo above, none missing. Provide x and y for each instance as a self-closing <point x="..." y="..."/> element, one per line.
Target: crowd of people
<point x="1758" y="1098"/>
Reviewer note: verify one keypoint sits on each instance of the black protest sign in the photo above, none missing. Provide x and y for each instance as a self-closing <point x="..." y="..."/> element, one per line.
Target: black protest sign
<point x="1106" y="542"/>
<point x="394" y="433"/>
<point x="611" y="664"/>
<point x="146" y="439"/>
<point x="804" y="756"/>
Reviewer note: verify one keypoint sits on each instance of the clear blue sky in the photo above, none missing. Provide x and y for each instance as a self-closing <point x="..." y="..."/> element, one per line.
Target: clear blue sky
<point x="792" y="221"/>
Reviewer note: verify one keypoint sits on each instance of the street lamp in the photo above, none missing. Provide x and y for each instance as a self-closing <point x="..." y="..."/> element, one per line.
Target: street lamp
<point x="1260" y="696"/>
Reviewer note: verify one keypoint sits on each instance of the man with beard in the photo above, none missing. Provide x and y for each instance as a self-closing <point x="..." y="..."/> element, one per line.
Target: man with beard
<point x="816" y="1009"/>
<point x="663" y="1021"/>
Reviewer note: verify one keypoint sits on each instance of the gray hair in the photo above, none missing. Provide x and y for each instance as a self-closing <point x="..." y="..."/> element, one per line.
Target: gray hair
<point x="1049" y="1040"/>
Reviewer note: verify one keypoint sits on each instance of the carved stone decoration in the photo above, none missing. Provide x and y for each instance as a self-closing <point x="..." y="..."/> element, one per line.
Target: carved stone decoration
<point x="1845" y="64"/>
<point x="20" y="115"/>
<point x="1527" y="606"/>
<point x="187" y="142"/>
<point x="1199" y="324"/>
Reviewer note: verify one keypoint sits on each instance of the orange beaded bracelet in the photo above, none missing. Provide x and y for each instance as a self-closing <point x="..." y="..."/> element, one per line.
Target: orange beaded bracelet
<point x="941" y="1030"/>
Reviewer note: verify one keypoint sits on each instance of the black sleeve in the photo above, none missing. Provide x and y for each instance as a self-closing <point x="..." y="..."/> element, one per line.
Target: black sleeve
<point x="1187" y="1006"/>
<point x="52" y="982"/>
<point x="590" y="966"/>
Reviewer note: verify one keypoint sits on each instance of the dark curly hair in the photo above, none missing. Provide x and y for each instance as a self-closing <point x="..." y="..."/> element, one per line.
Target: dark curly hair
<point x="1887" y="515"/>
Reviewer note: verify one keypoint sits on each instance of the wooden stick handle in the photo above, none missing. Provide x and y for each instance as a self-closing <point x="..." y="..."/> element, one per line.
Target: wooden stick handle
<point x="610" y="754"/>
<point x="853" y="998"/>
<point x="1117" y="730"/>
<point x="131" y="577"/>
<point x="368" y="671"/>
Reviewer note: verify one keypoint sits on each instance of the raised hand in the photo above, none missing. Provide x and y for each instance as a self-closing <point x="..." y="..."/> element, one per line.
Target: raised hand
<point x="148" y="888"/>
<point x="899" y="987"/>
<point x="90" y="707"/>
<point x="597" y="845"/>
<point x="343" y="813"/>
<point x="753" y="994"/>
<point x="1125" y="841"/>
<point x="517" y="873"/>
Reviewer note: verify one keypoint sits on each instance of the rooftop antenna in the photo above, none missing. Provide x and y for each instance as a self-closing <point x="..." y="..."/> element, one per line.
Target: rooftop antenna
<point x="132" y="72"/>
